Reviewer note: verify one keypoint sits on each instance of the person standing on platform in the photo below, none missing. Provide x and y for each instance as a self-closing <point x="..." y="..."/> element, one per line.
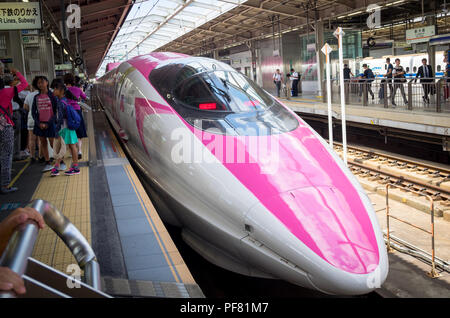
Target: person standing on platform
<point x="277" y="80"/>
<point x="287" y="82"/>
<point x="347" y="72"/>
<point x="294" y="80"/>
<point x="425" y="73"/>
<point x="44" y="110"/>
<point x="347" y="76"/>
<point x="399" y="79"/>
<point x="32" y="138"/>
<point x="67" y="116"/>
<point x="69" y="81"/>
<point x="7" y="132"/>
<point x="368" y="78"/>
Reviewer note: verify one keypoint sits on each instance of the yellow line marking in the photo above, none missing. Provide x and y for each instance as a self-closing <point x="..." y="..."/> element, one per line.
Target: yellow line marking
<point x="19" y="174"/>
<point x="126" y="168"/>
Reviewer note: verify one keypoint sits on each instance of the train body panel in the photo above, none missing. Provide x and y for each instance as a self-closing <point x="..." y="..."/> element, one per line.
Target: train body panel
<point x="410" y="62"/>
<point x="282" y="205"/>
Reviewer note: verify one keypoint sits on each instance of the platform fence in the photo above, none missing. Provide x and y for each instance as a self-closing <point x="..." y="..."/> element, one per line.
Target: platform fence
<point x="433" y="273"/>
<point x="430" y="95"/>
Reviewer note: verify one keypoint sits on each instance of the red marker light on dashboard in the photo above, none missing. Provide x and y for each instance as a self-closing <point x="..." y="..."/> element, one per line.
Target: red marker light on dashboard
<point x="207" y="106"/>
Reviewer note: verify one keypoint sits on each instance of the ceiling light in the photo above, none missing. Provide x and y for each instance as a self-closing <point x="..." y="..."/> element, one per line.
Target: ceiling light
<point x="55" y="38"/>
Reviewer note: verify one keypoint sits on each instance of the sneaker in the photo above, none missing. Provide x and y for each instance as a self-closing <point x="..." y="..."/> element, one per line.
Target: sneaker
<point x="62" y="166"/>
<point x="6" y="190"/>
<point x="55" y="172"/>
<point x="47" y="167"/>
<point x="72" y="171"/>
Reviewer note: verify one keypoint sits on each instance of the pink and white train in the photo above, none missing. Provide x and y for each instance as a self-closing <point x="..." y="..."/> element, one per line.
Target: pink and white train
<point x="200" y="133"/>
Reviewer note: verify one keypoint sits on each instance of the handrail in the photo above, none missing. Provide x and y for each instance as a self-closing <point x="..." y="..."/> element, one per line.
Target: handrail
<point x="21" y="244"/>
<point x="433" y="273"/>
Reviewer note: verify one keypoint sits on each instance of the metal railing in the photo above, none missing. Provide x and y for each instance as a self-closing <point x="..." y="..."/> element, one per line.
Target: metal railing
<point x="433" y="273"/>
<point x="409" y="93"/>
<point x="17" y="256"/>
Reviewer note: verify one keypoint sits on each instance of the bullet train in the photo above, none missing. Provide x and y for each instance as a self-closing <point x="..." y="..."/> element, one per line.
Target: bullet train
<point x="411" y="63"/>
<point x="254" y="188"/>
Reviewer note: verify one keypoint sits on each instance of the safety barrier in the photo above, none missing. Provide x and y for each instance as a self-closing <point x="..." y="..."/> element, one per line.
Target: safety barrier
<point x="40" y="279"/>
<point x="433" y="273"/>
<point x="409" y="94"/>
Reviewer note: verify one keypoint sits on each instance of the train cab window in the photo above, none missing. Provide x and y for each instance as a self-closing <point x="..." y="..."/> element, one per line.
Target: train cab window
<point x="209" y="94"/>
<point x="221" y="91"/>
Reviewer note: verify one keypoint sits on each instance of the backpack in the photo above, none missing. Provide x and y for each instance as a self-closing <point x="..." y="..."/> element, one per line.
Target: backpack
<point x="73" y="119"/>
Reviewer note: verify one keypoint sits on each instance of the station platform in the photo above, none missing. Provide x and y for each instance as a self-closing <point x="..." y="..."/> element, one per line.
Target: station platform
<point x="110" y="207"/>
<point x="419" y="120"/>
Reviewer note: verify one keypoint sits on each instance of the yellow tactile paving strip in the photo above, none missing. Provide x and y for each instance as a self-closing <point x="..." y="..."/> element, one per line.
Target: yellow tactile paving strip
<point x="71" y="196"/>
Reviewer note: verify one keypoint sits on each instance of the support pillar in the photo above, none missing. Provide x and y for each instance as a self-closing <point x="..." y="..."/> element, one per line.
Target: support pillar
<point x="319" y="57"/>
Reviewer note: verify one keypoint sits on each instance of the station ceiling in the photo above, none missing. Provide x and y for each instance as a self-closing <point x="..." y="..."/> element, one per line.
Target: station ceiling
<point x="100" y="22"/>
<point x="116" y="30"/>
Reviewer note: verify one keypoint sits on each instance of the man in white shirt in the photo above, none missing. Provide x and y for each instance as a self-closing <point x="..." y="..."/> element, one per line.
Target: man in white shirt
<point x="32" y="139"/>
<point x="277" y="78"/>
<point x="294" y="78"/>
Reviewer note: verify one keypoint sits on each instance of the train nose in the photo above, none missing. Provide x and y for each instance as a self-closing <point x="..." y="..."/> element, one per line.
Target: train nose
<point x="326" y="231"/>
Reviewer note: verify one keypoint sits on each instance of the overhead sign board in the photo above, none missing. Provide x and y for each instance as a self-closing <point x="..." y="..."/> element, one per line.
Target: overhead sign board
<point x="30" y="39"/>
<point x="20" y="15"/>
<point x="63" y="67"/>
<point x="419" y="35"/>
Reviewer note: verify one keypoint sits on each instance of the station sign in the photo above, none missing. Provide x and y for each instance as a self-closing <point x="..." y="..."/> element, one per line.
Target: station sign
<point x="63" y="67"/>
<point x="419" y="35"/>
<point x="30" y="32"/>
<point x="20" y="15"/>
<point x="30" y="39"/>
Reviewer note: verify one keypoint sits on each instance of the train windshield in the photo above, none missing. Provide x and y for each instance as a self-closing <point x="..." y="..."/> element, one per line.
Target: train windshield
<point x="222" y="91"/>
<point x="212" y="95"/>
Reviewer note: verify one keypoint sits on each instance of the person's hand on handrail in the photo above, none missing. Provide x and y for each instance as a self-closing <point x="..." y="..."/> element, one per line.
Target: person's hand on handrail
<point x="9" y="280"/>
<point x="16" y="218"/>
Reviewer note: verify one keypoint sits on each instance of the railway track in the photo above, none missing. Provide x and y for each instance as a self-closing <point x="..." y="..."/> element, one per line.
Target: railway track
<point x="425" y="178"/>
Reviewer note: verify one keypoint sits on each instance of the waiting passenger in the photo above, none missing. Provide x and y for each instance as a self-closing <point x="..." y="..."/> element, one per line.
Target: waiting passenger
<point x="28" y="103"/>
<point x="44" y="110"/>
<point x="368" y="79"/>
<point x="7" y="132"/>
<point x="66" y="135"/>
<point x="69" y="81"/>
<point x="425" y="73"/>
<point x="387" y="78"/>
<point x="295" y="77"/>
<point x="347" y="72"/>
<point x="277" y="78"/>
<point x="399" y="78"/>
<point x="9" y="280"/>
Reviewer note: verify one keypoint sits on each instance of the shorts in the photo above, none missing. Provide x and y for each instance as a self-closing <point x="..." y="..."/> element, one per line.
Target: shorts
<point x="69" y="136"/>
<point x="50" y="132"/>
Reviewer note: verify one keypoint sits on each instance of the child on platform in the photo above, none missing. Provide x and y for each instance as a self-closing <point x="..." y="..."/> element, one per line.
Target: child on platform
<point x="67" y="136"/>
